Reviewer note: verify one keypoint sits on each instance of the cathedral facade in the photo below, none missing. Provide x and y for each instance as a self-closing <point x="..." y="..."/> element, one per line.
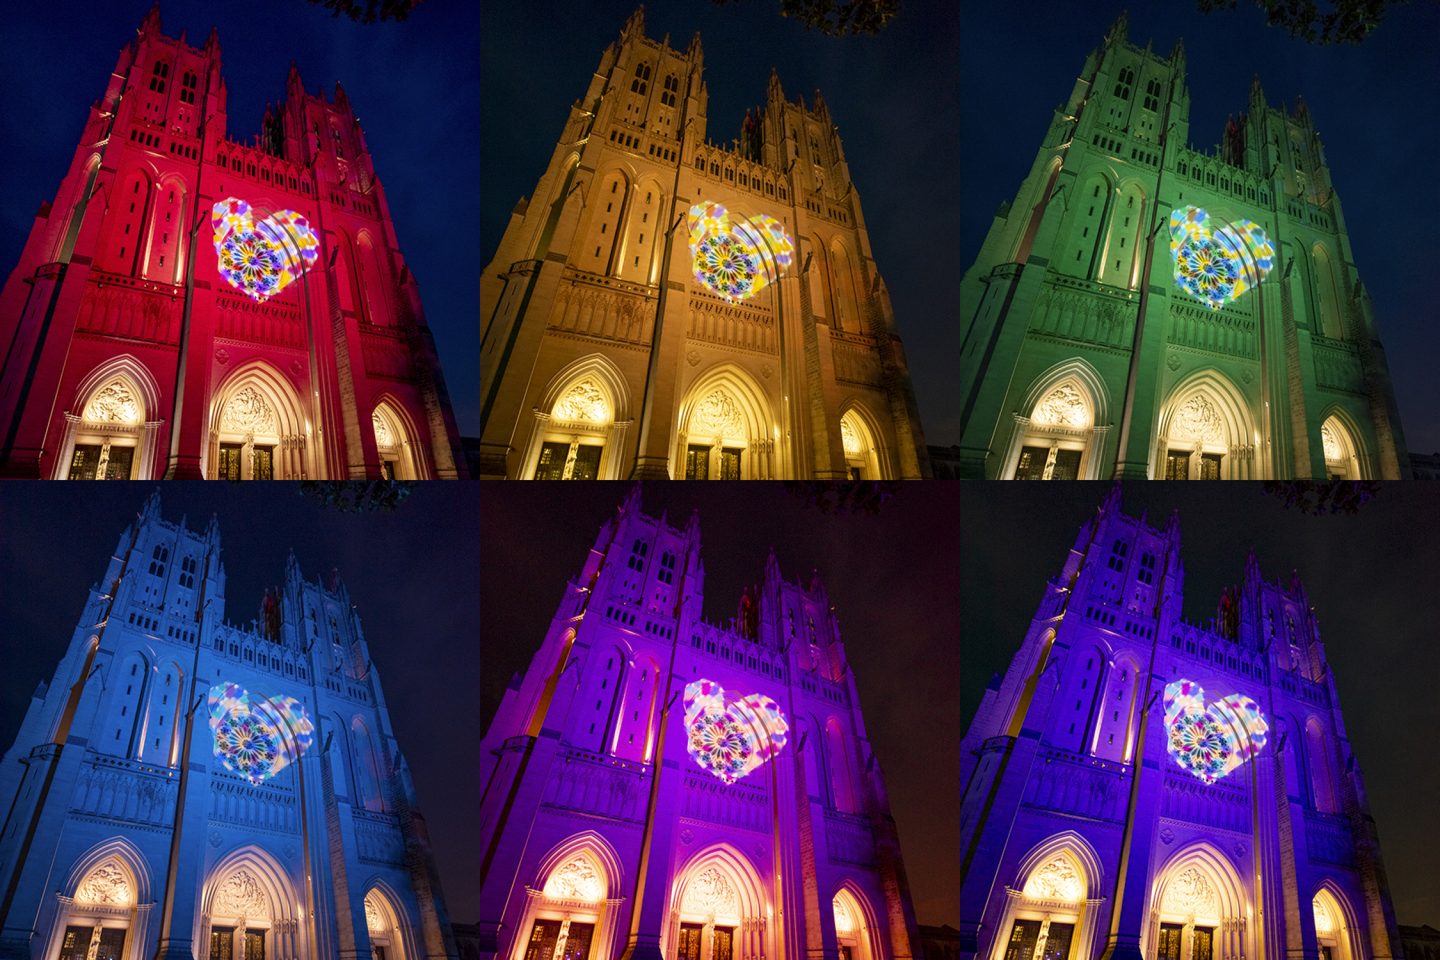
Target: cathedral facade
<point x="1138" y="786"/>
<point x="185" y="788"/>
<point x="657" y="786"/>
<point x="148" y="327"/>
<point x="1142" y="309"/>
<point x="663" y="306"/>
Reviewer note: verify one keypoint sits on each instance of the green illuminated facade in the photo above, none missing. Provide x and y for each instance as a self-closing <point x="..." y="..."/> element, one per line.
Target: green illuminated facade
<point x="1286" y="380"/>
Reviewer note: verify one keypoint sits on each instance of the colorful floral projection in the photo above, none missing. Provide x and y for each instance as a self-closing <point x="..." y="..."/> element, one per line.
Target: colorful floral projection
<point x="257" y="736"/>
<point x="1216" y="268"/>
<point x="731" y="738"/>
<point x="1210" y="740"/>
<point x="737" y="259"/>
<point x="261" y="258"/>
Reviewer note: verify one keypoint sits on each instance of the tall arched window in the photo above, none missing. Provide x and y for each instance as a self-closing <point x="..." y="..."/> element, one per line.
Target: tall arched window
<point x="1327" y="294"/>
<point x="842" y="768"/>
<point x="125" y="219"/>
<point x="369" y="767"/>
<point x="1322" y="778"/>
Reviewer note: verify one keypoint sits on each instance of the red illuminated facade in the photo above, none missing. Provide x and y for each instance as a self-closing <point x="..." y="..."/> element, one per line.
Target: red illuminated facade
<point x="127" y="355"/>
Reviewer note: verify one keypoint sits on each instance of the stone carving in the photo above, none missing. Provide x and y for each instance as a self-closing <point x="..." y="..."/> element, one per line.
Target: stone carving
<point x="1191" y="895"/>
<point x="711" y="895"/>
<point x="582" y="403"/>
<point x="1197" y="419"/>
<point x="383" y="436"/>
<point x="717" y="416"/>
<point x="576" y="879"/>
<point x="1333" y="450"/>
<point x="222" y="356"/>
<point x="247" y="412"/>
<point x="1167" y="836"/>
<point x="1247" y="375"/>
<point x="1173" y="361"/>
<point x="687" y="836"/>
<point x="241" y="896"/>
<point x="106" y="884"/>
<point x="113" y="403"/>
<point x="373" y="920"/>
<point x="1057" y="879"/>
<point x="1062" y="407"/>
<point x="849" y="439"/>
<point x="692" y="357"/>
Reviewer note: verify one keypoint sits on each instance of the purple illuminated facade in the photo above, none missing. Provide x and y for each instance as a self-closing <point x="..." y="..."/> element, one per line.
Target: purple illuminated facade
<point x="1246" y="834"/>
<point x="768" y="833"/>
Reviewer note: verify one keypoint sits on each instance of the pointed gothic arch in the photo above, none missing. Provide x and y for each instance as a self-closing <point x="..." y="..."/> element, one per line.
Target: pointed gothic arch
<point x="112" y="428"/>
<point x="248" y="893"/>
<point x="1061" y="425"/>
<point x="397" y="444"/>
<point x="1198" y="895"/>
<point x="370" y="767"/>
<point x="573" y="895"/>
<point x="391" y="932"/>
<point x="129" y="203"/>
<point x="845" y="288"/>
<point x="856" y="929"/>
<point x="1093" y="202"/>
<point x="600" y="251"/>
<point x="718" y="893"/>
<point x="164" y="252"/>
<point x="1051" y="900"/>
<point x="1124" y="234"/>
<point x="1206" y="431"/>
<point x="1342" y="447"/>
<point x="863" y="444"/>
<point x="105" y="900"/>
<point x="257" y="427"/>
<point x="726" y="429"/>
<point x="642" y="243"/>
<point x="580" y="423"/>
<point x="1338" y="934"/>
<point x="374" y="267"/>
<point x="1328" y="298"/>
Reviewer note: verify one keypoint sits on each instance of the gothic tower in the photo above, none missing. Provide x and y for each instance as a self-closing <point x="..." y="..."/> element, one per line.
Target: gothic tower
<point x="1143" y="786"/>
<point x="1274" y="370"/>
<point x="767" y="832"/>
<point x="128" y="354"/>
<point x="187" y="786"/>
<point x="607" y="352"/>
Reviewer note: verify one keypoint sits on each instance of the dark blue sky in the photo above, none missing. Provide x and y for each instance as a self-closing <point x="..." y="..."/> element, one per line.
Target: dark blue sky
<point x="414" y="86"/>
<point x="894" y="98"/>
<point x="410" y="574"/>
<point x="1376" y="106"/>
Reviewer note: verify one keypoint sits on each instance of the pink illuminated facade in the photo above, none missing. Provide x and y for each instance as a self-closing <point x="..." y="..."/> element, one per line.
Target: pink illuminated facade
<point x="764" y="830"/>
<point x="128" y="354"/>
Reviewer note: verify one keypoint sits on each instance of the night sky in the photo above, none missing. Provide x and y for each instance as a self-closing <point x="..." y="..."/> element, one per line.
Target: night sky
<point x="1370" y="578"/>
<point x="410" y="576"/>
<point x="894" y="98"/>
<point x="414" y="86"/>
<point x="896" y="604"/>
<point x="1376" y="106"/>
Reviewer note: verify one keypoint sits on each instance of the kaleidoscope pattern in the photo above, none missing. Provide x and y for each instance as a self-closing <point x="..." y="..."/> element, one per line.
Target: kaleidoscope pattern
<point x="261" y="258"/>
<point x="1209" y="741"/>
<point x="730" y="738"/>
<point x="737" y="259"/>
<point x="1217" y="267"/>
<point x="257" y="736"/>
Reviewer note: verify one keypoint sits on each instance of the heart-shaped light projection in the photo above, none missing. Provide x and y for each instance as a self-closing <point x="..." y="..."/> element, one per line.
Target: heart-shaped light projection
<point x="730" y="738"/>
<point x="1210" y="740"/>
<point x="1217" y="268"/>
<point x="737" y="259"/>
<point x="261" y="258"/>
<point x="257" y="736"/>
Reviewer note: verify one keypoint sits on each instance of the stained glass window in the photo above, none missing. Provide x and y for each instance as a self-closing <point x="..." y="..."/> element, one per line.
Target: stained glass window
<point x="257" y="736"/>
<point x="261" y="258"/>
<point x="1210" y="740"/>
<point x="1217" y="266"/>
<point x="727" y="737"/>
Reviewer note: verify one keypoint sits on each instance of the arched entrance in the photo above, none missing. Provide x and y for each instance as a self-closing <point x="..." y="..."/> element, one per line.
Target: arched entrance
<point x="719" y="910"/>
<point x="1342" y="451"/>
<point x="104" y="910"/>
<point x="726" y="431"/>
<point x="1198" y="908"/>
<point x="257" y="428"/>
<point x="1206" y="432"/>
<point x="389" y="934"/>
<point x="250" y="909"/>
<point x="1049" y="914"/>
<point x="580" y="424"/>
<point x="864" y="459"/>
<point x="395" y="443"/>
<point x="1334" y="927"/>
<point x="569" y="912"/>
<point x="1059" y="433"/>
<point x="854" y="926"/>
<point x="110" y="432"/>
